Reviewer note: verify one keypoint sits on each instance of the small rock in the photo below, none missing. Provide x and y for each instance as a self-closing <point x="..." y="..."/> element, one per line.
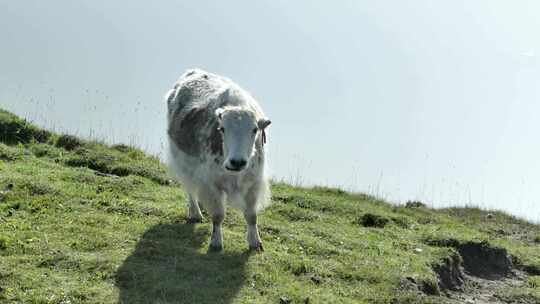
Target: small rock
<point x="490" y="216"/>
<point x="418" y="250"/>
<point x="284" y="300"/>
<point x="470" y="301"/>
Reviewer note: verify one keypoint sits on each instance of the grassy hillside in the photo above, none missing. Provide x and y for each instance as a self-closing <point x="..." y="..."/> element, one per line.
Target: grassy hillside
<point x="81" y="222"/>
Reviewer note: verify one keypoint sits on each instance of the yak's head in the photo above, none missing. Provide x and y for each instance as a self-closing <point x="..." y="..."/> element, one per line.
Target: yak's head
<point x="240" y="129"/>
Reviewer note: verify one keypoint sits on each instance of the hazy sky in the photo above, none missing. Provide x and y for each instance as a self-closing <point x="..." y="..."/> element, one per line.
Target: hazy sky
<point x="430" y="100"/>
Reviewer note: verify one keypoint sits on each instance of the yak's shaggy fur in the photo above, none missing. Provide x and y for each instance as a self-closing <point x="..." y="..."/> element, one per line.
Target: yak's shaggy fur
<point x="216" y="134"/>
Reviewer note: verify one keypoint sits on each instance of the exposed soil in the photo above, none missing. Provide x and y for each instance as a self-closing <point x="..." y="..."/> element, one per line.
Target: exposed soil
<point x="485" y="291"/>
<point x="450" y="273"/>
<point x="478" y="273"/>
<point x="484" y="261"/>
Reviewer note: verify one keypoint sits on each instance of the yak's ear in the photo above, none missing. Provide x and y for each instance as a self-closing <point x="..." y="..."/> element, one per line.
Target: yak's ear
<point x="219" y="113"/>
<point x="263" y="123"/>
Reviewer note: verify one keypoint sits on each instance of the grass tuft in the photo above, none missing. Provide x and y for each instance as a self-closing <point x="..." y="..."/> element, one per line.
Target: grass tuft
<point x="373" y="220"/>
<point x="415" y="204"/>
<point x="69" y="142"/>
<point x="8" y="153"/>
<point x="14" y="130"/>
<point x="4" y="242"/>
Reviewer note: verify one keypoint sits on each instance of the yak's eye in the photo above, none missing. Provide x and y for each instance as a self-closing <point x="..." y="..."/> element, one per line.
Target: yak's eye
<point x="255" y="131"/>
<point x="221" y="129"/>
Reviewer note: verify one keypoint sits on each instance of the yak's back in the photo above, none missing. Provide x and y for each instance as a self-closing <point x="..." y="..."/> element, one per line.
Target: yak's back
<point x="191" y="106"/>
<point x="194" y="87"/>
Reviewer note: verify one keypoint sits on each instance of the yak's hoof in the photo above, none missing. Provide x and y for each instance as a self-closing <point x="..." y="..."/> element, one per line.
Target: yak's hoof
<point x="194" y="220"/>
<point x="215" y="248"/>
<point x="257" y="248"/>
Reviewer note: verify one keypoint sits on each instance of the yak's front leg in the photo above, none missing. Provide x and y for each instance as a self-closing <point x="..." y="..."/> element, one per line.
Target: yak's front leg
<point x="216" y="243"/>
<point x="215" y="205"/>
<point x="250" y="214"/>
<point x="194" y="212"/>
<point x="253" y="238"/>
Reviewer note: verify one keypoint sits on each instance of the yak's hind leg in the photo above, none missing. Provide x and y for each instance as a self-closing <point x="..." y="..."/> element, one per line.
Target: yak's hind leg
<point x="250" y="214"/>
<point x="194" y="212"/>
<point x="214" y="203"/>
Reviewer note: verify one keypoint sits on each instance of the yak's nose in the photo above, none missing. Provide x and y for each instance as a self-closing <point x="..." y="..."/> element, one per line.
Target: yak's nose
<point x="237" y="164"/>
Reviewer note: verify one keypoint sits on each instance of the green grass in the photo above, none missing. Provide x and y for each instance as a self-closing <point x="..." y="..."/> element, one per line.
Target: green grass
<point x="81" y="222"/>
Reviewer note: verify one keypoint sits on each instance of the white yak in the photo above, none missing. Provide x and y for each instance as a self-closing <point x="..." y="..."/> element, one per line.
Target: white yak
<point x="216" y="133"/>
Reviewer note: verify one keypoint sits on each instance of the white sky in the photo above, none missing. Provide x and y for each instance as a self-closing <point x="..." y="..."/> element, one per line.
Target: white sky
<point x="430" y="100"/>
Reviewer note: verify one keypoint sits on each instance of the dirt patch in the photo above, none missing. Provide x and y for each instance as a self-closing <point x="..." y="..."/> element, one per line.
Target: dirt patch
<point x="459" y="287"/>
<point x="429" y="288"/>
<point x="483" y="291"/>
<point x="449" y="273"/>
<point x="478" y="273"/>
<point x="480" y="259"/>
<point x="485" y="261"/>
